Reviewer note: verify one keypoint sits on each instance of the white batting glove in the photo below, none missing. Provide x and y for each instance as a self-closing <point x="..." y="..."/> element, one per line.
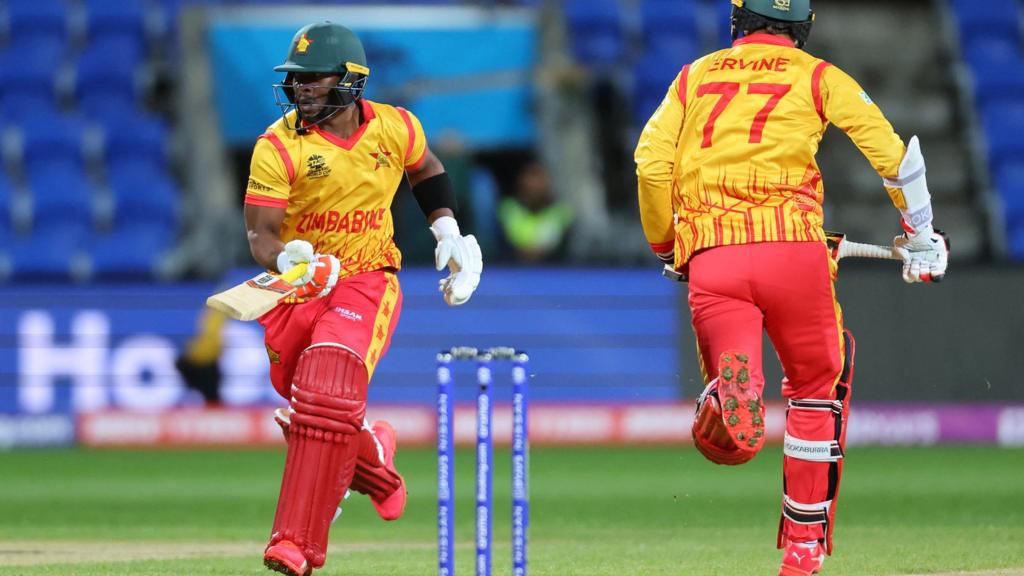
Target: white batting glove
<point x="925" y="255"/>
<point x="461" y="255"/>
<point x="296" y="252"/>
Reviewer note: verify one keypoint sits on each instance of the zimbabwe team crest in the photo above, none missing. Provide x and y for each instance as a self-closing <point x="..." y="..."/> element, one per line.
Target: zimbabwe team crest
<point x="382" y="156"/>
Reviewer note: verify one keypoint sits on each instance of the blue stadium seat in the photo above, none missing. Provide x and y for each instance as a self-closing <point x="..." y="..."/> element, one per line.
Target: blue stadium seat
<point x="668" y="24"/>
<point x="107" y="108"/>
<point x="678" y="49"/>
<point x="47" y="140"/>
<point x="722" y="16"/>
<point x="144" y="193"/>
<point x="129" y="252"/>
<point x="19" y="107"/>
<point x="653" y="74"/>
<point x="994" y="81"/>
<point x="34" y="19"/>
<point x="61" y="195"/>
<point x="49" y="253"/>
<point x="135" y="137"/>
<point x="107" y="18"/>
<point x="1009" y="180"/>
<point x="6" y="197"/>
<point x="109" y="65"/>
<point x="1003" y="124"/>
<point x="987" y="18"/>
<point x="596" y="31"/>
<point x="29" y="68"/>
<point x="42" y="51"/>
<point x="999" y="50"/>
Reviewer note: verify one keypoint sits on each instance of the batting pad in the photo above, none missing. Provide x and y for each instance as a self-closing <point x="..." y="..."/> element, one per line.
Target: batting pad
<point x="328" y="403"/>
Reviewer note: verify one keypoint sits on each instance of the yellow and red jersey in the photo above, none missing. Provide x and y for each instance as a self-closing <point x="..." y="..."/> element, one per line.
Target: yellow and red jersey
<point x="728" y="157"/>
<point x="337" y="192"/>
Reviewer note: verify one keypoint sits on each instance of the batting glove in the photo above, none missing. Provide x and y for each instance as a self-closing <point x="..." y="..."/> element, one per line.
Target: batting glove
<point x="296" y="252"/>
<point x="321" y="273"/>
<point x="925" y="254"/>
<point x="324" y="269"/>
<point x="461" y="255"/>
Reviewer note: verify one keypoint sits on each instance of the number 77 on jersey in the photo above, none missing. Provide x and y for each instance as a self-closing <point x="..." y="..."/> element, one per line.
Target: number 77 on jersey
<point x="727" y="91"/>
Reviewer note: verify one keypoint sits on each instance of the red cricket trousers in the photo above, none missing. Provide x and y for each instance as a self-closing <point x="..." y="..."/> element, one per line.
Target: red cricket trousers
<point x="360" y="314"/>
<point x="784" y="288"/>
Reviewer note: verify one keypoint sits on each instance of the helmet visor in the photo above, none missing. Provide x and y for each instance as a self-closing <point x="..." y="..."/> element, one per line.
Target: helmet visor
<point x="322" y="104"/>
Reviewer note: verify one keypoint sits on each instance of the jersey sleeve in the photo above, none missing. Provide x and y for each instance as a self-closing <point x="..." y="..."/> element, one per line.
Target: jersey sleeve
<point x="269" y="174"/>
<point x="416" y="146"/>
<point x="655" y="158"/>
<point x="848" y="106"/>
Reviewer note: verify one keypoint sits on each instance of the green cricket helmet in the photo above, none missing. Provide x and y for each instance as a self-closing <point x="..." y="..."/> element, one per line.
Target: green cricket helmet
<point x="793" y="17"/>
<point x="323" y="48"/>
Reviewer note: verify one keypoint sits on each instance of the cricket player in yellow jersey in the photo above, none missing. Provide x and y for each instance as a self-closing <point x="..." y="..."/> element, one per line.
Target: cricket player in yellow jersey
<point x="320" y="188"/>
<point x="731" y="197"/>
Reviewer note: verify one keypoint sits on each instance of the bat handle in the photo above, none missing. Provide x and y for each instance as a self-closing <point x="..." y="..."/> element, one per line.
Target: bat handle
<point x="294" y="273"/>
<point x="669" y="272"/>
<point x="860" y="250"/>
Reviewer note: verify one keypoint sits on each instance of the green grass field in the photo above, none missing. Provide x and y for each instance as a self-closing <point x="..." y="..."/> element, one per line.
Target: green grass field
<point x="595" y="511"/>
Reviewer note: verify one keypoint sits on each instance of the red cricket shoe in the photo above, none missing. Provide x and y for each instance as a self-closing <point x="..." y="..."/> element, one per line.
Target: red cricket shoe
<point x="392" y="507"/>
<point x="742" y="408"/>
<point x="286" y="558"/>
<point x="802" y="559"/>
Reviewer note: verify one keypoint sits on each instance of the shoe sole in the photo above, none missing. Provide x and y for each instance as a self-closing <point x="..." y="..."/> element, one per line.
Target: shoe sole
<point x="742" y="408"/>
<point x="279" y="566"/>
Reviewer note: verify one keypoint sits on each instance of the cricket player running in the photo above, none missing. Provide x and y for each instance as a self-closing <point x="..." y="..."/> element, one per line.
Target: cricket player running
<point x="731" y="197"/>
<point x="320" y="188"/>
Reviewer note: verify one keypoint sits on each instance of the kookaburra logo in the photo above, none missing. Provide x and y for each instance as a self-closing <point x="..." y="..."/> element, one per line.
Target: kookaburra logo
<point x="781" y="5"/>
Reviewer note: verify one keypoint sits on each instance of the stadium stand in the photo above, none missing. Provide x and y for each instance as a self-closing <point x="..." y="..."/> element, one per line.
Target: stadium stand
<point x="88" y="70"/>
<point x="989" y="37"/>
<point x="85" y="165"/>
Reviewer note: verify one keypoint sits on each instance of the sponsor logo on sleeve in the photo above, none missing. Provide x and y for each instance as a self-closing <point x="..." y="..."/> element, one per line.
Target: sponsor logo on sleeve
<point x="255" y="185"/>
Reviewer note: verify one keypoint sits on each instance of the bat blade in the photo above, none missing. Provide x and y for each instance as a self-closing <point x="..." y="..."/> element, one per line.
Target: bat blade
<point x="256" y="296"/>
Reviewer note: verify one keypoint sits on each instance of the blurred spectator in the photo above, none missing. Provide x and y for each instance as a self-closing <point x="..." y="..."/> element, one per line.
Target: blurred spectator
<point x="199" y="363"/>
<point x="533" y="221"/>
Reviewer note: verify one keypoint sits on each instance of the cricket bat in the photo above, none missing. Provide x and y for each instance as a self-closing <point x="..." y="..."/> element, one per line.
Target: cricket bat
<point x="256" y="296"/>
<point x="837" y="242"/>
<point x="843" y="248"/>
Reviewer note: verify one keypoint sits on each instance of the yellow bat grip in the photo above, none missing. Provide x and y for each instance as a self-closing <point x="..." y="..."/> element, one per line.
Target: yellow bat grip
<point x="296" y="272"/>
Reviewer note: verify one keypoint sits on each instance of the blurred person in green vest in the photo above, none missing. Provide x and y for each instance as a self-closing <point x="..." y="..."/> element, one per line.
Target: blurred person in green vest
<point x="534" y="222"/>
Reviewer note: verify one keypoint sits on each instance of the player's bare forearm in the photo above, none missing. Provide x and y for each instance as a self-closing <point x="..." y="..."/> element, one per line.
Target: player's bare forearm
<point x="263" y="230"/>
